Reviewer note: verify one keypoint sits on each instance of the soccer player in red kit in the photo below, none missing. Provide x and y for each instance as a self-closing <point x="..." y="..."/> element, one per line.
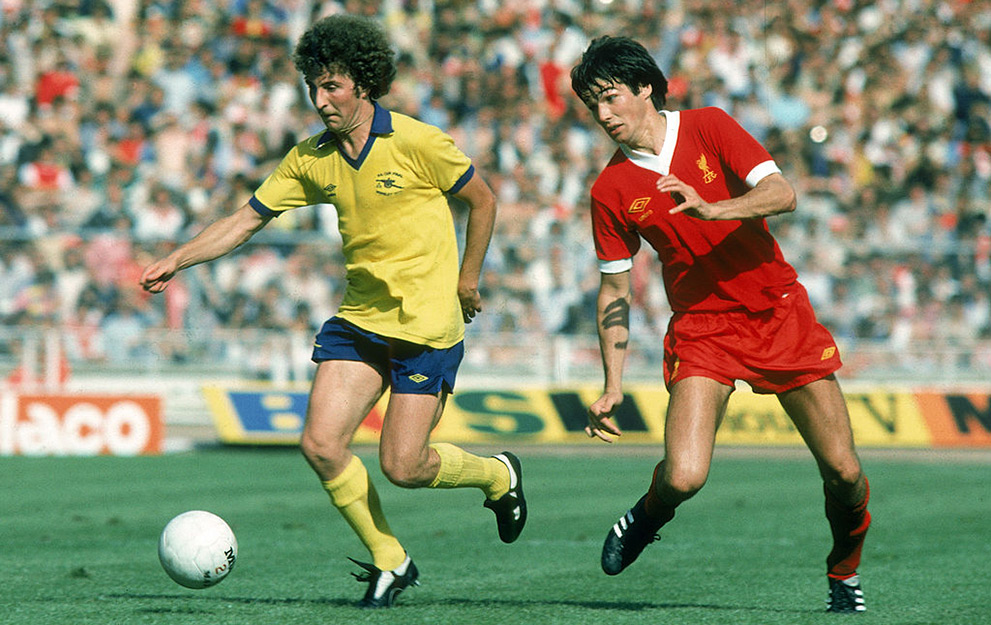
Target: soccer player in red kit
<point x="696" y="187"/>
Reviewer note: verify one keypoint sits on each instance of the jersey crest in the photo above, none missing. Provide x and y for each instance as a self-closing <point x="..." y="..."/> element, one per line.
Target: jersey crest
<point x="387" y="183"/>
<point x="707" y="174"/>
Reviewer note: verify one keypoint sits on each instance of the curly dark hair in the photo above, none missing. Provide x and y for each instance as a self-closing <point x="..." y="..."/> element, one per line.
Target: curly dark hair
<point x="350" y="45"/>
<point x="618" y="60"/>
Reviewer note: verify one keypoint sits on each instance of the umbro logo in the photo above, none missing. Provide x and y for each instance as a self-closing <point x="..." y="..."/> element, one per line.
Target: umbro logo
<point x="638" y="205"/>
<point x="330" y="190"/>
<point x="418" y="377"/>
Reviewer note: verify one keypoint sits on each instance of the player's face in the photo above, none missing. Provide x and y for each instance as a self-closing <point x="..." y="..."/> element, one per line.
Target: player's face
<point x="621" y="112"/>
<point x="342" y="105"/>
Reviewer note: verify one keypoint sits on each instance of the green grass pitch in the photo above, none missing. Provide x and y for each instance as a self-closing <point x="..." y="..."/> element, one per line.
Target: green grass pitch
<point x="78" y="539"/>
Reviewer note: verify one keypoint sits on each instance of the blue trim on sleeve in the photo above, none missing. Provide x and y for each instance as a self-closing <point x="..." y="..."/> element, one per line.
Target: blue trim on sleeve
<point x="261" y="209"/>
<point x="463" y="180"/>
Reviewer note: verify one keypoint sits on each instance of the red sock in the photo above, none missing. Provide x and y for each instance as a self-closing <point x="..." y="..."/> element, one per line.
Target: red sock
<point x="652" y="505"/>
<point x="849" y="527"/>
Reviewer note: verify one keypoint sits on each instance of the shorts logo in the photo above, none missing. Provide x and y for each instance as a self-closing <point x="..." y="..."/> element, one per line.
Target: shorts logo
<point x="638" y="205"/>
<point x="828" y="353"/>
<point x="674" y="369"/>
<point x="707" y="174"/>
<point x="418" y="377"/>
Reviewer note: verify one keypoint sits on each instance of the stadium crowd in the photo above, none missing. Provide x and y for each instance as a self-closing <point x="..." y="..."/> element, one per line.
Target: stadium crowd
<point x="126" y="126"/>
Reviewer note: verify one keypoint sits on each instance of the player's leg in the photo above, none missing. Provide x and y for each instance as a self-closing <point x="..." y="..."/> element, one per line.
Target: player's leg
<point x="819" y="412"/>
<point x="421" y="379"/>
<point x="404" y="451"/>
<point x="343" y="393"/>
<point x="695" y="409"/>
<point x="410" y="460"/>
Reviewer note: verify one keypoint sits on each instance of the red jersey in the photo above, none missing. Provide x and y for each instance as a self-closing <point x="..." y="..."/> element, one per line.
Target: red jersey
<point x="707" y="265"/>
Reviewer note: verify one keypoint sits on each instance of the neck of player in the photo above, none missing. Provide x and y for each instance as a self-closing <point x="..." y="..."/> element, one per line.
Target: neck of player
<point x="649" y="136"/>
<point x="353" y="134"/>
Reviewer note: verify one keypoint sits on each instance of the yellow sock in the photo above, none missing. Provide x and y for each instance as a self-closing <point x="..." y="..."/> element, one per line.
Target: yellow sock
<point x="353" y="494"/>
<point x="459" y="469"/>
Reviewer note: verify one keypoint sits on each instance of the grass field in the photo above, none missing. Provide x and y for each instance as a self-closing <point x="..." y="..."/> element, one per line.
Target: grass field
<point x="78" y="541"/>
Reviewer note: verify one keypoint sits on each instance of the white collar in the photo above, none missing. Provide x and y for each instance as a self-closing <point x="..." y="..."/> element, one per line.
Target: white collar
<point x="661" y="163"/>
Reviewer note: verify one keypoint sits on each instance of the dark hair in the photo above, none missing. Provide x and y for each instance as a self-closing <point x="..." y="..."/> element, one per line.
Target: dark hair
<point x="618" y="60"/>
<point x="351" y="45"/>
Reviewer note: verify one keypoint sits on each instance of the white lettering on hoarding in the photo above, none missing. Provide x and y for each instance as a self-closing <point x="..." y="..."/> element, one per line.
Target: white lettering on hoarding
<point x="123" y="428"/>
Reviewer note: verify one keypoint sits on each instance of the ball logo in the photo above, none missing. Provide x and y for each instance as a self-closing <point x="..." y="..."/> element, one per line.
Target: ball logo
<point x="231" y="559"/>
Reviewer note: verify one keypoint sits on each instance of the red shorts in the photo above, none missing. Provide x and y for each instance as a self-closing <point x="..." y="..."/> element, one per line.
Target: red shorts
<point x="773" y="350"/>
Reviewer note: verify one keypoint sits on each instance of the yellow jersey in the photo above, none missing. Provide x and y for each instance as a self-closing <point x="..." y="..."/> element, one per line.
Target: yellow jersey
<point x="399" y="244"/>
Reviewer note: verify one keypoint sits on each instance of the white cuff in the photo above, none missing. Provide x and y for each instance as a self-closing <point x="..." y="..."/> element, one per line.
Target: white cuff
<point x="762" y="171"/>
<point x="615" y="266"/>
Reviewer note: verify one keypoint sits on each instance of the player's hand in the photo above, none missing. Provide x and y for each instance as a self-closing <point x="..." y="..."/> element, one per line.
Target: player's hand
<point x="471" y="301"/>
<point x="600" y="423"/>
<point x="156" y="276"/>
<point x="687" y="198"/>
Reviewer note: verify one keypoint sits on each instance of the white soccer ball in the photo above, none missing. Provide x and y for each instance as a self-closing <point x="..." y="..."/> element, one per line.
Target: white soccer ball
<point x="197" y="549"/>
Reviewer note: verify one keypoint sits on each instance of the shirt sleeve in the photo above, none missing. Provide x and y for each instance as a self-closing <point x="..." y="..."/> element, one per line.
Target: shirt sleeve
<point x="444" y="165"/>
<point x="736" y="147"/>
<point x="614" y="242"/>
<point x="284" y="189"/>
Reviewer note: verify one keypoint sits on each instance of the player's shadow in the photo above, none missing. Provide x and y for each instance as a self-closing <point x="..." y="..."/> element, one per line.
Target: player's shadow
<point x="621" y="606"/>
<point x="189" y="603"/>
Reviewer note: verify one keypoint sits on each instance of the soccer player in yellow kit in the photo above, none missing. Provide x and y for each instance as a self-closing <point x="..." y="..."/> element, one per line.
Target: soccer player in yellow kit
<point x="401" y="322"/>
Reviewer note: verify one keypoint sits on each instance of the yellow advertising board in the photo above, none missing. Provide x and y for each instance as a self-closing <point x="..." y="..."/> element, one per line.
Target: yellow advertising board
<point x="880" y="417"/>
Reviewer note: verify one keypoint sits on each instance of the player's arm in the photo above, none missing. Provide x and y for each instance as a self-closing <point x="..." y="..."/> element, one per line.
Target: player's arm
<point x="613" y="323"/>
<point x="217" y="239"/>
<point x="481" y="220"/>
<point x="771" y="196"/>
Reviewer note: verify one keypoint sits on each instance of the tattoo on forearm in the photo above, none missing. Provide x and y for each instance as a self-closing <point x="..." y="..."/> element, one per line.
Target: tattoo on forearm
<point x="616" y="313"/>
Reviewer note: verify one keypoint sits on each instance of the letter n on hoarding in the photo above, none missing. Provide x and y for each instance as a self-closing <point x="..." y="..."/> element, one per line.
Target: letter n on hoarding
<point x="966" y="413"/>
<point x="957" y="420"/>
<point x="574" y="413"/>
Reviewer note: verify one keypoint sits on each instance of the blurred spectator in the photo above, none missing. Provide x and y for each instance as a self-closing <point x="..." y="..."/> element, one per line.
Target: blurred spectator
<point x="123" y="333"/>
<point x="59" y="82"/>
<point x="45" y="172"/>
<point x="124" y="124"/>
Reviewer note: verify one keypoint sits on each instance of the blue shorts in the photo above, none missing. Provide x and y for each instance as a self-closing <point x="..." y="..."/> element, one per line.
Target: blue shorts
<point x="411" y="368"/>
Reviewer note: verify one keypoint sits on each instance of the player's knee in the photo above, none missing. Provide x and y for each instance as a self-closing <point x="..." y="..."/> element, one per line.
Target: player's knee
<point x="322" y="453"/>
<point x="843" y="476"/>
<point x="682" y="485"/>
<point x="310" y="448"/>
<point x="403" y="472"/>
